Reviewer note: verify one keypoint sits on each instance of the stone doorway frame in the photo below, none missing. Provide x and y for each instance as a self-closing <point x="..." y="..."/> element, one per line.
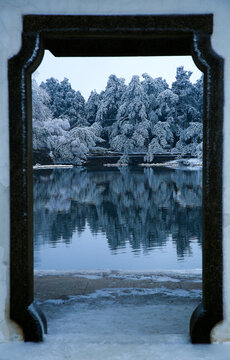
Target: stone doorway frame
<point x="126" y="35"/>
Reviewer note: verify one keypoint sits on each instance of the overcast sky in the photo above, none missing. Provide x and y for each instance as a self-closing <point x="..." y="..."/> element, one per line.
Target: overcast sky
<point x="91" y="73"/>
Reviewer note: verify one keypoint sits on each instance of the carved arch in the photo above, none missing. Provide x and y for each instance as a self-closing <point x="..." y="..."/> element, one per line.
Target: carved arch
<point x="110" y="36"/>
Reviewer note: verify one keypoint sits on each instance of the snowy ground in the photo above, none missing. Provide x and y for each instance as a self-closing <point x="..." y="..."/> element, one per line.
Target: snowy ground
<point x="114" y="315"/>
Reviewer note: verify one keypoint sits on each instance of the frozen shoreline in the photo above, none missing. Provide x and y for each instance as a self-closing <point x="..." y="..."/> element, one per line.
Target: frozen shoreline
<point x="65" y="285"/>
<point x="122" y="273"/>
<point x="38" y="167"/>
<point x="182" y="164"/>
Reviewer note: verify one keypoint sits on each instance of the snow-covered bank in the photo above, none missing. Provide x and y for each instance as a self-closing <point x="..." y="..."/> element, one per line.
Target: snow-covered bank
<point x="65" y="284"/>
<point x="38" y="167"/>
<point x="68" y="286"/>
<point x="182" y="164"/>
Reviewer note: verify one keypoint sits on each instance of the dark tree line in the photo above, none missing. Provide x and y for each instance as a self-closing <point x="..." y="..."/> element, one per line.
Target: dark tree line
<point x="144" y="116"/>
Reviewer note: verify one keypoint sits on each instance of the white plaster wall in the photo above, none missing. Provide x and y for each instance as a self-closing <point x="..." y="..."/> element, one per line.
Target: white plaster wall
<point x="11" y="12"/>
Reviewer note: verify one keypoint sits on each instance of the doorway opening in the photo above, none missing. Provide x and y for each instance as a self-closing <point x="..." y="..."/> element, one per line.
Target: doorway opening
<point x="114" y="36"/>
<point x="129" y="232"/>
<point x="165" y="127"/>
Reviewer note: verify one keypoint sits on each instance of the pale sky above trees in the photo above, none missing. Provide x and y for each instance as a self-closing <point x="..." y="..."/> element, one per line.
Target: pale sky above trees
<point x="89" y="73"/>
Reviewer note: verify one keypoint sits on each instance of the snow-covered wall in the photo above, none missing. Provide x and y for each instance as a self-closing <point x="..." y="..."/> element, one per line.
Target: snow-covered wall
<point x="11" y="12"/>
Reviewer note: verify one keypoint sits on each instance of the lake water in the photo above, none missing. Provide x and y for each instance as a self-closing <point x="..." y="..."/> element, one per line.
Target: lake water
<point x="127" y="219"/>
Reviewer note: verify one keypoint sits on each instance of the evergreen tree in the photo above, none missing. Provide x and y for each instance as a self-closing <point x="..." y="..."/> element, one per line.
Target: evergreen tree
<point x="198" y="95"/>
<point x="191" y="140"/>
<point x="91" y="107"/>
<point x="131" y="129"/>
<point x="187" y="103"/>
<point x="40" y="114"/>
<point x="64" y="101"/>
<point x="153" y="87"/>
<point x="166" y="101"/>
<point x="161" y="142"/>
<point x="110" y="100"/>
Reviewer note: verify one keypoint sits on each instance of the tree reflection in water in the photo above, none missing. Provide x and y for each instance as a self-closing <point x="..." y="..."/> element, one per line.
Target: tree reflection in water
<point x="142" y="207"/>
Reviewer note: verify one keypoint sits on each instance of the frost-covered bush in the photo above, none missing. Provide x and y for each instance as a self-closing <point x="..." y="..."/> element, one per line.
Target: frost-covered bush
<point x="131" y="138"/>
<point x="63" y="143"/>
<point x="40" y="115"/>
<point x="41" y="137"/>
<point x="40" y="103"/>
<point x="191" y="140"/>
<point x="166" y="101"/>
<point x="76" y="144"/>
<point x="161" y="142"/>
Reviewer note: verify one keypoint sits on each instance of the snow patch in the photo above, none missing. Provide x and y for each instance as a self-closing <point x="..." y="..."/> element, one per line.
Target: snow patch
<point x="114" y="165"/>
<point x="90" y="277"/>
<point x="38" y="167"/>
<point x="54" y="301"/>
<point x="180" y="164"/>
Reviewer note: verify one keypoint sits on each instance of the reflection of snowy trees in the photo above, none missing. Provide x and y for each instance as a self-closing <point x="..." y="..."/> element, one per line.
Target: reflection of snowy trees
<point x="141" y="207"/>
<point x="143" y="116"/>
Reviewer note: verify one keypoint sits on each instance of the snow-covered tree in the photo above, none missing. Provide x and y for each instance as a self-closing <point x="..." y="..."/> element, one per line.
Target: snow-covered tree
<point x="64" y="101"/>
<point x="191" y="139"/>
<point x="76" y="144"/>
<point x="110" y="100"/>
<point x="131" y="129"/>
<point x="40" y="103"/>
<point x="198" y="96"/>
<point x="55" y="135"/>
<point x="166" y="102"/>
<point x="187" y="106"/>
<point x="40" y="114"/>
<point x="153" y="87"/>
<point x="91" y="107"/>
<point x="58" y="130"/>
<point x="161" y="141"/>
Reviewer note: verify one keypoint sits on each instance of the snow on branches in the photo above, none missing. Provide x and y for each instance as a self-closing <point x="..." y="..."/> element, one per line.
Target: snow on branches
<point x="143" y="116"/>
